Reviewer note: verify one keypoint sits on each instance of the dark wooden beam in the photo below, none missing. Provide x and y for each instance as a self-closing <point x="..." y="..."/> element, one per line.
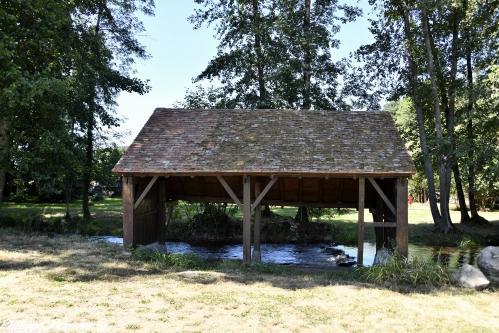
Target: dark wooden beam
<point x="247" y="220"/>
<point x="231" y="193"/>
<point x="128" y="209"/>
<point x="146" y="190"/>
<point x="402" y="231"/>
<point x="382" y="195"/>
<point x="360" y="222"/>
<point x="161" y="211"/>
<point x="257" y="256"/>
<point x="383" y="224"/>
<point x="271" y="202"/>
<point x="261" y="195"/>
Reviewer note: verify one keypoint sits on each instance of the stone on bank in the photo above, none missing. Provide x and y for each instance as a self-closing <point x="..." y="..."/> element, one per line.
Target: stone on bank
<point x="488" y="262"/>
<point x="468" y="276"/>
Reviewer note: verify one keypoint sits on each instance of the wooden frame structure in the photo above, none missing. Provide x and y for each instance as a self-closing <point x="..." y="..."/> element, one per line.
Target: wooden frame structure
<point x="300" y="158"/>
<point x="145" y="218"/>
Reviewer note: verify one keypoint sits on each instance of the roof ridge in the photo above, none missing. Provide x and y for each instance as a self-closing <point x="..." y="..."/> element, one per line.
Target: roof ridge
<point x="162" y="109"/>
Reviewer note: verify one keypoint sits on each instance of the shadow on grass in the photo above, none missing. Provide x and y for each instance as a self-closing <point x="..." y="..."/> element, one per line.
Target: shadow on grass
<point x="68" y="259"/>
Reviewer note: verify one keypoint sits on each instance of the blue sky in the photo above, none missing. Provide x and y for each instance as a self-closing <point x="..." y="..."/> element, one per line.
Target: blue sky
<point x="179" y="53"/>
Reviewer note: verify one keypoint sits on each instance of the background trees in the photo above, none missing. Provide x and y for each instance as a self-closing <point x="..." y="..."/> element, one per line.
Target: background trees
<point x="428" y="52"/>
<point x="276" y="53"/>
<point x="63" y="65"/>
<point x="433" y="64"/>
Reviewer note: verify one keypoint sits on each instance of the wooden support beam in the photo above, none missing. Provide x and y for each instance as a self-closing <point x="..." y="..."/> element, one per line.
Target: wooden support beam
<point x="272" y="202"/>
<point x="261" y="195"/>
<point x="231" y="193"/>
<point x="382" y="195"/>
<point x="402" y="231"/>
<point x="170" y="206"/>
<point x="128" y="198"/>
<point x="168" y="211"/>
<point x="360" y="222"/>
<point x="146" y="190"/>
<point x="384" y="224"/>
<point x="257" y="256"/>
<point x="246" y="220"/>
<point x="161" y="211"/>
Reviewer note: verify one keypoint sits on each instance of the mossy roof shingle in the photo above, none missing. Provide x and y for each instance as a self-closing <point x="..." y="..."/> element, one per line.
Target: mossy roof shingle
<point x="267" y="141"/>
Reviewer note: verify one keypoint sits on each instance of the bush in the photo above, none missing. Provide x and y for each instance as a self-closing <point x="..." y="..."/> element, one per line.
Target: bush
<point x="413" y="271"/>
<point x="169" y="260"/>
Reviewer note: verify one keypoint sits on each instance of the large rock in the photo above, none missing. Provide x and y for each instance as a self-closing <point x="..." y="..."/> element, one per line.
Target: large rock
<point x="488" y="262"/>
<point x="382" y="256"/>
<point x="470" y="277"/>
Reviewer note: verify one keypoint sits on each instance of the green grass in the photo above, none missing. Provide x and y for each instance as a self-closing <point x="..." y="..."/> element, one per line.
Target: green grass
<point x="403" y="271"/>
<point x="68" y="283"/>
<point x="106" y="216"/>
<point x="107" y="221"/>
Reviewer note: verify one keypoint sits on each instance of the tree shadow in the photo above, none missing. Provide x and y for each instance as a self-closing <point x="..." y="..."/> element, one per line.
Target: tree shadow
<point x="76" y="259"/>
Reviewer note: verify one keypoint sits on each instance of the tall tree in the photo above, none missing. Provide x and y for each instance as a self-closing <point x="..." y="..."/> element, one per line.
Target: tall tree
<point x="242" y="65"/>
<point x="430" y="70"/>
<point x="269" y="48"/>
<point x="106" y="47"/>
<point x="35" y="57"/>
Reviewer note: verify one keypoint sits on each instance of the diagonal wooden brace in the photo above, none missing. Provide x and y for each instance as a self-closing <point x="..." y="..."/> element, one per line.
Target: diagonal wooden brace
<point x="144" y="193"/>
<point x="230" y="192"/>
<point x="382" y="195"/>
<point x="263" y="193"/>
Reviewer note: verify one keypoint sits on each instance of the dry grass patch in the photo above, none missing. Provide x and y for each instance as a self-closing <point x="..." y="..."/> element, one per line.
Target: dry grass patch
<point x="67" y="283"/>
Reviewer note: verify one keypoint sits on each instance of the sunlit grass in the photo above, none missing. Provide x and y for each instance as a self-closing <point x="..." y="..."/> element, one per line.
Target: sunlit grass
<point x="66" y="283"/>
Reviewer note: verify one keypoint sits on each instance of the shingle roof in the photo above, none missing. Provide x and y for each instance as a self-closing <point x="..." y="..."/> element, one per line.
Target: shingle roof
<point x="267" y="141"/>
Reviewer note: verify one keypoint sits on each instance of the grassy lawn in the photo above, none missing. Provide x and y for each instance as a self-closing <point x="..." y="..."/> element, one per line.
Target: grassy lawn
<point x="107" y="221"/>
<point x="65" y="283"/>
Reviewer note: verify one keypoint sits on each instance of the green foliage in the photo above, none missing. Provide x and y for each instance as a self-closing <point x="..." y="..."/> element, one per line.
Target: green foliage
<point x="105" y="159"/>
<point x="467" y="243"/>
<point x="269" y="73"/>
<point x="413" y="271"/>
<point x="459" y="33"/>
<point x="63" y="65"/>
<point x="169" y="260"/>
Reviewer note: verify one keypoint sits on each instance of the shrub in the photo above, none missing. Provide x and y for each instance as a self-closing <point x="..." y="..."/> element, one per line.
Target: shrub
<point x="169" y="260"/>
<point x="413" y="271"/>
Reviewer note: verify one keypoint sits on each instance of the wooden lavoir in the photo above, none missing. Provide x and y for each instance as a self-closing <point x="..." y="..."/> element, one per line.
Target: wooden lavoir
<point x="328" y="159"/>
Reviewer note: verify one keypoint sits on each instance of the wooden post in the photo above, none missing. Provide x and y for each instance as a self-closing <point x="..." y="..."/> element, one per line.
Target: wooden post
<point x="246" y="220"/>
<point x="128" y="209"/>
<point x="360" y="222"/>
<point x="402" y="231"/>
<point x="257" y="257"/>
<point x="161" y="213"/>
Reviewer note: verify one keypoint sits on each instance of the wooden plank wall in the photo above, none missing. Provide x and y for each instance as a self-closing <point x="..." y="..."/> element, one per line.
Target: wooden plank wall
<point x="304" y="192"/>
<point x="144" y="224"/>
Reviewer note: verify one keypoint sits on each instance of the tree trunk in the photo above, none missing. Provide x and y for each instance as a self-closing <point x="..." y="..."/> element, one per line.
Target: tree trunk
<point x="4" y="160"/>
<point x="87" y="171"/>
<point x="445" y="224"/>
<point x="427" y="165"/>
<point x="68" y="190"/>
<point x="89" y="140"/>
<point x="266" y="212"/>
<point x="465" y="218"/>
<point x="302" y="213"/>
<point x="257" y="26"/>
<point x="307" y="57"/>
<point x="475" y="217"/>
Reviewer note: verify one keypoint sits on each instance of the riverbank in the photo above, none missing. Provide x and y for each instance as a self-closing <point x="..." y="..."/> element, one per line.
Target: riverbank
<point x="67" y="283"/>
<point x="280" y="228"/>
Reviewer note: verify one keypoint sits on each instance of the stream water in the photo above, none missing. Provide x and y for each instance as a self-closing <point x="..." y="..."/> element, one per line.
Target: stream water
<point x="308" y="254"/>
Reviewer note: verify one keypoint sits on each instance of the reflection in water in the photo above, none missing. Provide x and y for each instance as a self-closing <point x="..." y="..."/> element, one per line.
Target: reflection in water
<point x="308" y="254"/>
